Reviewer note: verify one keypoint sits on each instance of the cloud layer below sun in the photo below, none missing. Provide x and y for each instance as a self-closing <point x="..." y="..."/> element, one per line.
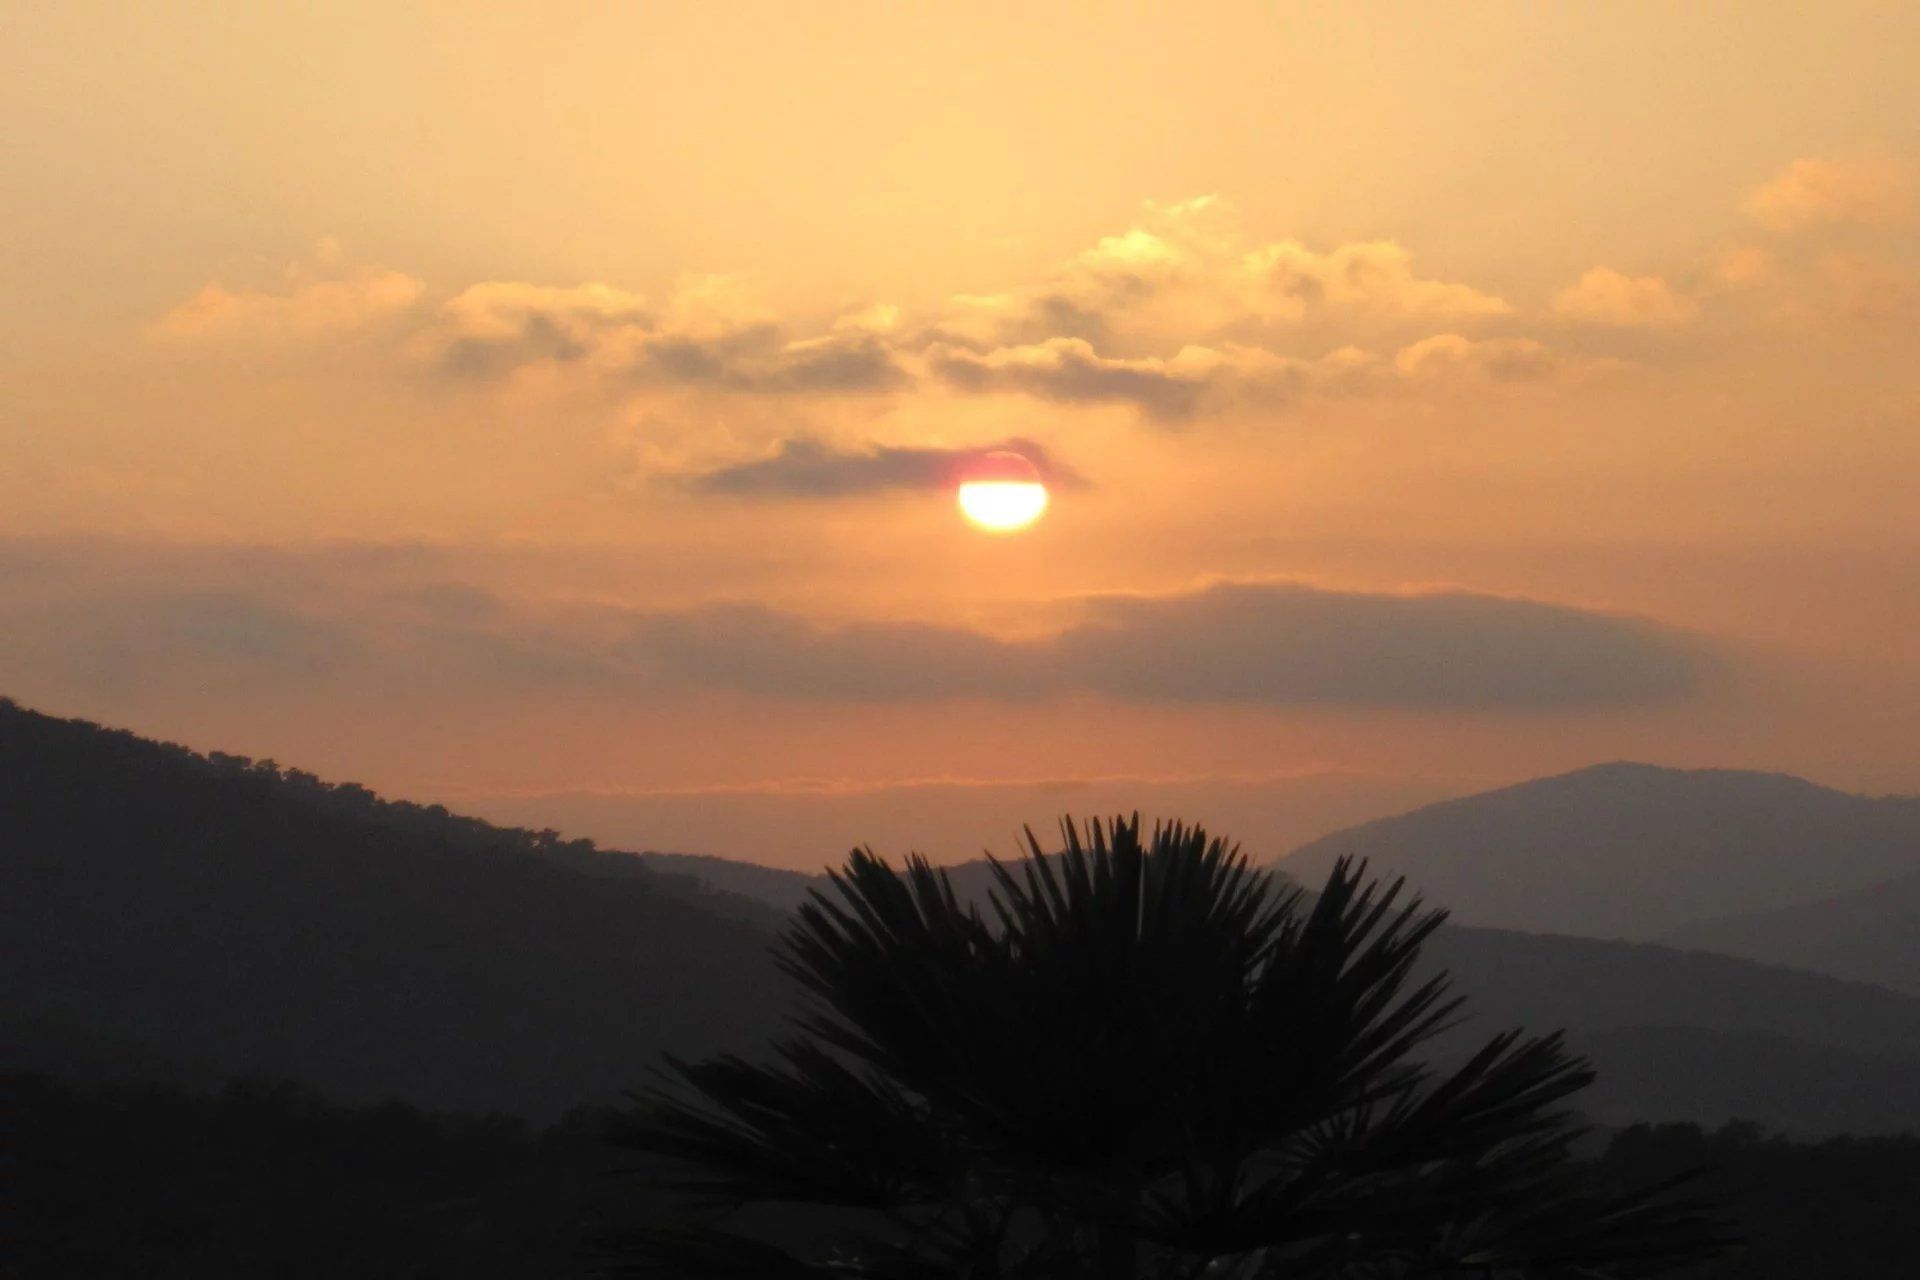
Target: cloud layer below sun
<point x="211" y="619"/>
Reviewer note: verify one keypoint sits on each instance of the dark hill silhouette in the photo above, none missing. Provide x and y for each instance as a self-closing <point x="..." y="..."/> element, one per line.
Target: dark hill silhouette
<point x="244" y="920"/>
<point x="1715" y="1077"/>
<point x="773" y="887"/>
<point x="1869" y="935"/>
<point x="1632" y="850"/>
<point x="1593" y="984"/>
<point x="195" y="917"/>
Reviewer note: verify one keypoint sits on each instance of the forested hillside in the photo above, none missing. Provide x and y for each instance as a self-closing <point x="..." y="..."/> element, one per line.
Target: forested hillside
<point x="236" y="918"/>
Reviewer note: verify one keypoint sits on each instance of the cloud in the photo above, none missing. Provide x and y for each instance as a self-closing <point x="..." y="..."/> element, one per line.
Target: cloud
<point x="703" y="336"/>
<point x="1607" y="297"/>
<point x="1257" y="643"/>
<point x="1069" y="370"/>
<point x="1372" y="279"/>
<point x="1177" y="317"/>
<point x="361" y="622"/>
<point x="212" y="637"/>
<point x="1238" y="377"/>
<point x="313" y="298"/>
<point x="1808" y="285"/>
<point x="1869" y="190"/>
<point x="491" y="328"/>
<point x="756" y="650"/>
<point x="800" y="468"/>
<point x="845" y="361"/>
<point x="1451" y="357"/>
<point x="1185" y="276"/>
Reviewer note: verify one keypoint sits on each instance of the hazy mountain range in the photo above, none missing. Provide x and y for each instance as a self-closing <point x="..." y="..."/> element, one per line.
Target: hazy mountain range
<point x="1870" y="935"/>
<point x="1638" y="852"/>
<point x="203" y="915"/>
<point x="1762" y="866"/>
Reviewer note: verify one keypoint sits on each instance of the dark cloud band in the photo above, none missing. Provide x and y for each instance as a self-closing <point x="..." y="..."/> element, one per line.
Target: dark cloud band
<point x="810" y="469"/>
<point x="1236" y="643"/>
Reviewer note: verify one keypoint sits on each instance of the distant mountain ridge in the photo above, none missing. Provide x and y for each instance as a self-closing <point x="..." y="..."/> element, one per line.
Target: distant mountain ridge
<point x="777" y="888"/>
<point x="1633" y="851"/>
<point x="162" y="907"/>
<point x="1869" y="935"/>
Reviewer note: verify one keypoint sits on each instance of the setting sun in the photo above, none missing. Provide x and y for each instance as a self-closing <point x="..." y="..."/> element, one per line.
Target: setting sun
<point x="1002" y="493"/>
<point x="1001" y="506"/>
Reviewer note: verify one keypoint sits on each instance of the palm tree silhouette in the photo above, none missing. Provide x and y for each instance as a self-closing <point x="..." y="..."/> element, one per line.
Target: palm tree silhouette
<point x="1143" y="1058"/>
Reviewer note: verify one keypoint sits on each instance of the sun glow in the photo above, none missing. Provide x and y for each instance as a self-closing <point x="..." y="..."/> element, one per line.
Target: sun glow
<point x="1003" y="506"/>
<point x="1002" y="492"/>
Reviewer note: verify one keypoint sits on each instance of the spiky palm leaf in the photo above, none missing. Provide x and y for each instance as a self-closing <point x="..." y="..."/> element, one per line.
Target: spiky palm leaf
<point x="1144" y="1057"/>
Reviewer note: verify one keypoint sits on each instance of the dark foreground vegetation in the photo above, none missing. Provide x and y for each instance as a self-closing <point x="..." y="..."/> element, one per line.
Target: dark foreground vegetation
<point x="265" y="1179"/>
<point x="1147" y="1058"/>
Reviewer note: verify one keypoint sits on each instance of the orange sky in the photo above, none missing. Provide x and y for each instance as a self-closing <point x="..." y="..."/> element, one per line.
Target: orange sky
<point x="548" y="412"/>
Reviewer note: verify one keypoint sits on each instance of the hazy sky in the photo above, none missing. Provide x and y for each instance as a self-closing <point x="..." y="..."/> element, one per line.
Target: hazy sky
<point x="549" y="409"/>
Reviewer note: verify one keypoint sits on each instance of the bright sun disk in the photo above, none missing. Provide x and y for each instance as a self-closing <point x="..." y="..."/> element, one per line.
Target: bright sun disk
<point x="1002" y="506"/>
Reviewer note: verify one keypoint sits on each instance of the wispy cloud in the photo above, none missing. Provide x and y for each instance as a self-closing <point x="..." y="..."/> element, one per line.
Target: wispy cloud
<point x="1872" y="189"/>
<point x="1604" y="296"/>
<point x="806" y="468"/>
<point x="317" y="296"/>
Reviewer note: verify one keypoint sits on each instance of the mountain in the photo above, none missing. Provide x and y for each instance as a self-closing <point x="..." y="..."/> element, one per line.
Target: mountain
<point x="1714" y="1077"/>
<point x="776" y="888"/>
<point x="1592" y="987"/>
<point x="167" y="914"/>
<point x="235" y="918"/>
<point x="1869" y="935"/>
<point x="1632" y="850"/>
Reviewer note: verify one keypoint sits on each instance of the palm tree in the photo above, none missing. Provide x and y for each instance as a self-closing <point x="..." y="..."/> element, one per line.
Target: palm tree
<point x="1142" y="1058"/>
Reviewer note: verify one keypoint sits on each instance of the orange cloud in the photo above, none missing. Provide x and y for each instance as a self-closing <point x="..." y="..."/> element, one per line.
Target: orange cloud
<point x="1186" y="275"/>
<point x="705" y="334"/>
<point x="1370" y="279"/>
<point x="1871" y="190"/>
<point x="1176" y="317"/>
<point x="316" y="297"/>
<point x="1451" y="356"/>
<point x="1607" y="297"/>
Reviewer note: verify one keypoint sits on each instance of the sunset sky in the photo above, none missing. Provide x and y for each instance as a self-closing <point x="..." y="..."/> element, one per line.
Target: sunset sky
<point x="552" y="411"/>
